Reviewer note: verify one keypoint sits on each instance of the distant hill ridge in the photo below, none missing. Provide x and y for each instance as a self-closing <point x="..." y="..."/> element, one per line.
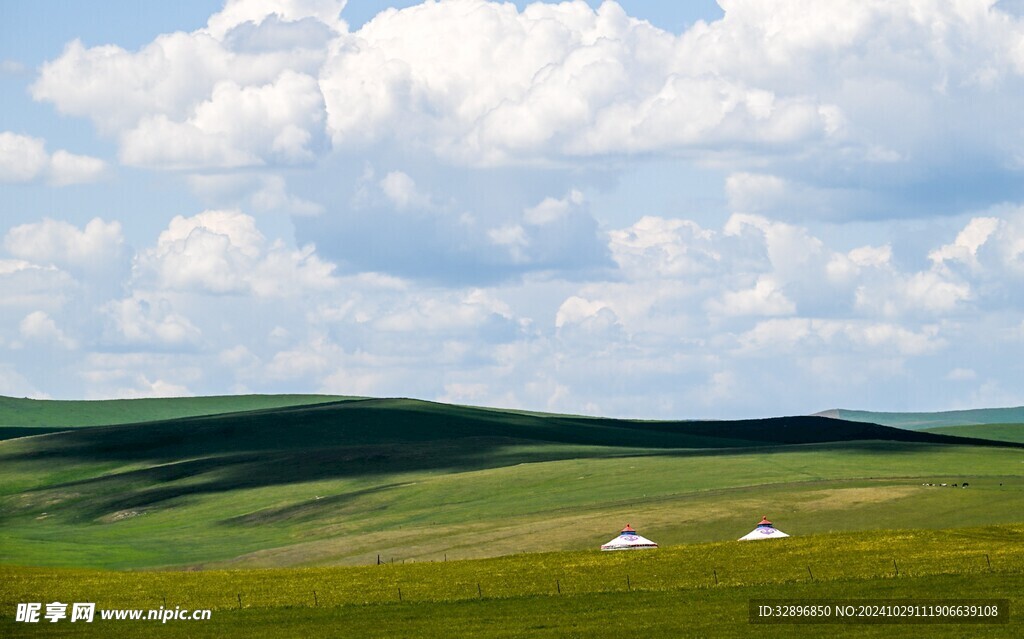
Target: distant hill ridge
<point x="920" y="421"/>
<point x="391" y="422"/>
<point x="21" y="416"/>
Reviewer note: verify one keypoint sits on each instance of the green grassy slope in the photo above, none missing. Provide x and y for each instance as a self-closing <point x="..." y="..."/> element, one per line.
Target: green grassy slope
<point x="915" y="421"/>
<point x="691" y="590"/>
<point x="719" y="612"/>
<point x="384" y="422"/>
<point x="1001" y="432"/>
<point x="20" y="417"/>
<point x="341" y="482"/>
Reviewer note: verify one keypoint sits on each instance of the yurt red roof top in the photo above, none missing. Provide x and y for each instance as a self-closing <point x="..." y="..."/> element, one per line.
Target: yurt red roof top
<point x="628" y="539"/>
<point x="764" y="521"/>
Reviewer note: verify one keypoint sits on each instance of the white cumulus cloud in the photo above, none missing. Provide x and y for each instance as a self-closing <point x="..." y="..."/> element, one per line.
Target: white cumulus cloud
<point x="24" y="158"/>
<point x="39" y="326"/>
<point x="140" y="322"/>
<point x="98" y="244"/>
<point x="223" y="252"/>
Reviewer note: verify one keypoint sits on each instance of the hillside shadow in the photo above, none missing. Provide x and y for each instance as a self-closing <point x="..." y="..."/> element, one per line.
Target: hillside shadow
<point x="215" y="454"/>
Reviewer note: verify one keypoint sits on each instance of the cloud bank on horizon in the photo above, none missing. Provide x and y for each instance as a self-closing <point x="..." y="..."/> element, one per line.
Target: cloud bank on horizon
<point x="785" y="208"/>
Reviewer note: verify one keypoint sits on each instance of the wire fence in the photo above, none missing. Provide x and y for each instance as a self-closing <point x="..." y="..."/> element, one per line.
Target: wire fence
<point x="450" y="581"/>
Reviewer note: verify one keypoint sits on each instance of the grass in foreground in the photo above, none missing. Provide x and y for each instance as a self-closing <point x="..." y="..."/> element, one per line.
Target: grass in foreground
<point x="697" y="590"/>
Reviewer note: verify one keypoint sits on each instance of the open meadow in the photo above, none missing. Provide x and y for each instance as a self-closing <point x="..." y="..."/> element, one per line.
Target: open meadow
<point x="685" y="590"/>
<point x="489" y="521"/>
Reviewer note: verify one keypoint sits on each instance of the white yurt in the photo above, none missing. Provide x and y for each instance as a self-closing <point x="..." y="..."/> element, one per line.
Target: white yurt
<point x="629" y="540"/>
<point x="764" y="530"/>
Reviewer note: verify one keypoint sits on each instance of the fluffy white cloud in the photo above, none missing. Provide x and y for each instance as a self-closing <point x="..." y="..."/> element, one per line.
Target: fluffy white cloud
<point x="927" y="291"/>
<point x="31" y="286"/>
<point x="128" y="375"/>
<point x="401" y="191"/>
<point x="581" y="82"/>
<point x="279" y="18"/>
<point x="965" y="247"/>
<point x="551" y="210"/>
<point x="96" y="246"/>
<point x="223" y="252"/>
<point x="304" y="362"/>
<point x="801" y="335"/>
<point x="278" y="122"/>
<point x="68" y="168"/>
<point x="139" y="322"/>
<point x="24" y="159"/>
<point x="458" y="313"/>
<point x="576" y="309"/>
<point x="273" y="195"/>
<point x="145" y="388"/>
<point x="259" y="192"/>
<point x="240" y="92"/>
<point x="844" y="267"/>
<point x="765" y="298"/>
<point x="660" y="247"/>
<point x="38" y="326"/>
<point x="839" y="92"/>
<point x="986" y="247"/>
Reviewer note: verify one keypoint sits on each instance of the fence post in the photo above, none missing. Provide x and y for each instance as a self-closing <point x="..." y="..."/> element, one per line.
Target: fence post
<point x="628" y="585"/>
<point x="810" y="573"/>
<point x="896" y="567"/>
<point x="715" y="573"/>
<point x="479" y="592"/>
<point x="316" y="602"/>
<point x="239" y="601"/>
<point x="400" y="593"/>
<point x="988" y="561"/>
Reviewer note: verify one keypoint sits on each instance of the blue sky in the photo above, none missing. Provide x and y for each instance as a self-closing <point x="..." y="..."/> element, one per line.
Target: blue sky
<point x="639" y="208"/>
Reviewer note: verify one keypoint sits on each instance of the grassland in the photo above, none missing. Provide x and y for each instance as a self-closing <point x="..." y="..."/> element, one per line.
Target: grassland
<point x="21" y="417"/>
<point x="688" y="590"/>
<point x="919" y="421"/>
<point x="341" y="482"/>
<point x="488" y="520"/>
<point x="1001" y="432"/>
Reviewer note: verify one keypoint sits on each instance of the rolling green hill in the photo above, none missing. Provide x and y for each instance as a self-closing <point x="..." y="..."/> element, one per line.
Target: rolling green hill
<point x="20" y="417"/>
<point x="341" y="482"/>
<point x="917" y="421"/>
<point x="1001" y="432"/>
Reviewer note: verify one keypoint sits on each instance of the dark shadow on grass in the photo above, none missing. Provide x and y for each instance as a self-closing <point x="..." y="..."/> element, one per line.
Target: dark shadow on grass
<point x="13" y="432"/>
<point x="213" y="454"/>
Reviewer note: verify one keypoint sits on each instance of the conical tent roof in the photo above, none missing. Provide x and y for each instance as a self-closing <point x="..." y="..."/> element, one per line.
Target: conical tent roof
<point x="629" y="540"/>
<point x="764" y="530"/>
